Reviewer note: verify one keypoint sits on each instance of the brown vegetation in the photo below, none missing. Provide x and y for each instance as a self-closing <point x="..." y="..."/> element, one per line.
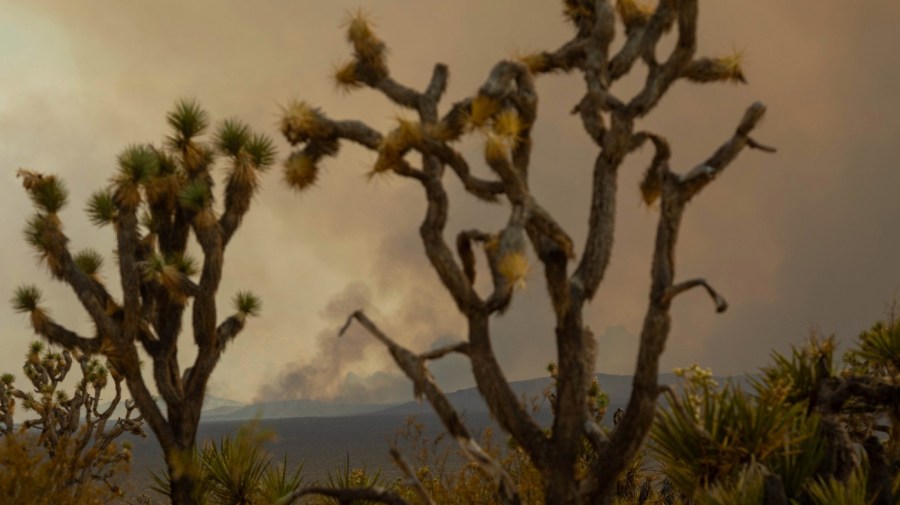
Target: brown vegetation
<point x="68" y="448"/>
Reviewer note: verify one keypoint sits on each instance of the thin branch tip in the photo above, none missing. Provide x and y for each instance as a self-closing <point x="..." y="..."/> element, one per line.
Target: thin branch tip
<point x="354" y="315"/>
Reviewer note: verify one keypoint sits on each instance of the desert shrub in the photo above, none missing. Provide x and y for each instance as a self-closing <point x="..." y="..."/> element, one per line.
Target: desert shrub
<point x="30" y="476"/>
<point x="70" y="438"/>
<point x="805" y="431"/>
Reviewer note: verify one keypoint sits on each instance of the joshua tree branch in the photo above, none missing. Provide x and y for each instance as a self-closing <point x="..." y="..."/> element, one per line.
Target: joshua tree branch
<point x="129" y="273"/>
<point x="461" y="348"/>
<point x="415" y="369"/>
<point x="661" y="77"/>
<point x="414" y="481"/>
<point x="695" y="180"/>
<point x="63" y="337"/>
<point x="677" y="289"/>
<point x="638" y="416"/>
<point x="642" y="40"/>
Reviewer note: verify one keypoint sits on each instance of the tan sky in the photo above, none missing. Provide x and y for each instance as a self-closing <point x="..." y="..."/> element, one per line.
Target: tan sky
<point x="805" y="237"/>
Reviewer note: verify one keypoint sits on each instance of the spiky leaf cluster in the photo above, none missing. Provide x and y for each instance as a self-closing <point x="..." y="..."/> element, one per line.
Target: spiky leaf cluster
<point x="101" y="209"/>
<point x="802" y="371"/>
<point x="247" y="304"/>
<point x="26" y="299"/>
<point x="231" y="136"/>
<point x="301" y="122"/>
<point x="880" y="346"/>
<point x="137" y="164"/>
<point x="369" y="52"/>
<point x="89" y="261"/>
<point x="39" y="233"/>
<point x="345" y="76"/>
<point x="728" y="68"/>
<point x="189" y="120"/>
<point x="195" y="196"/>
<point x="261" y="150"/>
<point x="185" y="264"/>
<point x="300" y="171"/>
<point x="49" y="194"/>
<point x="706" y="436"/>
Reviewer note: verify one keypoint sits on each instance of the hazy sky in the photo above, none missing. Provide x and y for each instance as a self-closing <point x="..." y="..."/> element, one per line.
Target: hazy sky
<point x="806" y="237"/>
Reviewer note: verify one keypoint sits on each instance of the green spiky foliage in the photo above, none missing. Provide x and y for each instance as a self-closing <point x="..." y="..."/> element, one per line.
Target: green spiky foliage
<point x="89" y="261"/>
<point x="49" y="194"/>
<point x="707" y="436"/>
<point x="195" y="196"/>
<point x="235" y="467"/>
<point x="836" y="492"/>
<point x="348" y="477"/>
<point x="160" y="199"/>
<point x="278" y="483"/>
<point x="26" y="299"/>
<point x="232" y="136"/>
<point x="802" y="371"/>
<point x="236" y="473"/>
<point x="137" y="165"/>
<point x="238" y="470"/>
<point x="247" y="303"/>
<point x="185" y="264"/>
<point x="188" y="120"/>
<point x="261" y="150"/>
<point x="747" y="488"/>
<point x="880" y="347"/>
<point x="101" y="209"/>
<point x="807" y="426"/>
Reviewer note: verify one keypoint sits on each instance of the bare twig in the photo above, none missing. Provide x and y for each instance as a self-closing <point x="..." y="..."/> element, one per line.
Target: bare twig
<point x="411" y="477"/>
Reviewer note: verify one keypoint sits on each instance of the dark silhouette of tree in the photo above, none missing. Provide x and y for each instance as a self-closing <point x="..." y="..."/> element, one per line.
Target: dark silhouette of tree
<point x="158" y="198"/>
<point x="503" y="112"/>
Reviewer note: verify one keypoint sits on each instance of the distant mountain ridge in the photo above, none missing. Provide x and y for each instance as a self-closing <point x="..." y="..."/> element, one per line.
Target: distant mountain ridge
<point x="289" y="408"/>
<point x="468" y="400"/>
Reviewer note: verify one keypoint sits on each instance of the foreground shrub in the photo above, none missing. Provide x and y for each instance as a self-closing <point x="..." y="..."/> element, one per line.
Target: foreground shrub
<point x="239" y="471"/>
<point x="30" y="476"/>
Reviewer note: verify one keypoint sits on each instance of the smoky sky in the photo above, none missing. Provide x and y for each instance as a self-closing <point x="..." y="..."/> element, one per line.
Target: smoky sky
<point x="803" y="237"/>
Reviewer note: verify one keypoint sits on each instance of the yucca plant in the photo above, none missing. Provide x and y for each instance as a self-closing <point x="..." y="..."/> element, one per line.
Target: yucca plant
<point x="801" y="373"/>
<point x="349" y="477"/>
<point x="880" y="346"/>
<point x="239" y="471"/>
<point x="832" y="491"/>
<point x="746" y="488"/>
<point x="278" y="483"/>
<point x="706" y="436"/>
<point x="798" y="462"/>
<point x="235" y="467"/>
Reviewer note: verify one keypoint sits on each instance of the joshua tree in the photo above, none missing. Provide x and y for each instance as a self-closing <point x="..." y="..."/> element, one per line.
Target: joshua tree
<point x="503" y="111"/>
<point x="71" y="427"/>
<point x="157" y="199"/>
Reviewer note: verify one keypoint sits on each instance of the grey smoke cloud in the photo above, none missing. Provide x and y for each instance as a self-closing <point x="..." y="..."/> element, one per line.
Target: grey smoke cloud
<point x="804" y="236"/>
<point x="332" y="357"/>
